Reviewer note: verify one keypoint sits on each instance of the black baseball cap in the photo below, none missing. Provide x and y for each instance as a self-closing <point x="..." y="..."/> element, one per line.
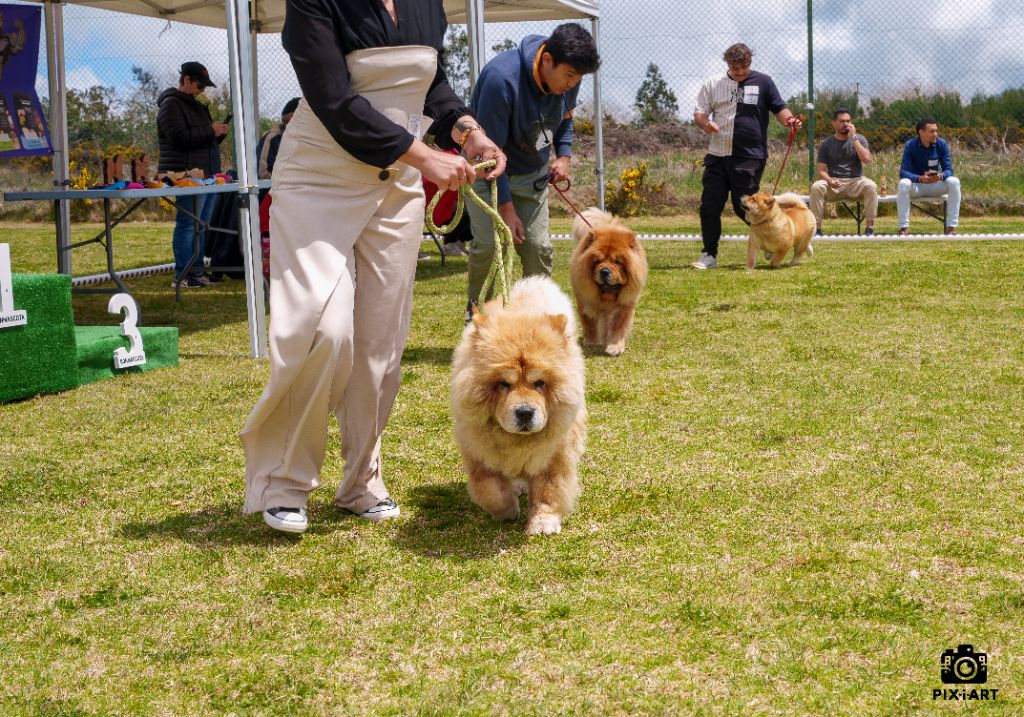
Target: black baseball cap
<point x="197" y="72"/>
<point x="290" y="106"/>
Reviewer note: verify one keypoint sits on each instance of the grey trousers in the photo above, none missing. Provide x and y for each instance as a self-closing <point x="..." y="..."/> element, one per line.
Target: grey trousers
<point x="531" y="206"/>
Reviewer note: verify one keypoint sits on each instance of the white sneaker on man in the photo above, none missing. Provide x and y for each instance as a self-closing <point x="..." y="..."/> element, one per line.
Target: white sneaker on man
<point x="706" y="261"/>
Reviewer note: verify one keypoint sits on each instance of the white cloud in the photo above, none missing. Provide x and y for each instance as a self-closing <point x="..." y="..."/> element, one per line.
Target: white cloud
<point x="82" y="78"/>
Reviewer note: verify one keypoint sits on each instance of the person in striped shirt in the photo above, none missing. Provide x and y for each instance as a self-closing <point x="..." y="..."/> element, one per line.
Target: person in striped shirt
<point x="733" y="109"/>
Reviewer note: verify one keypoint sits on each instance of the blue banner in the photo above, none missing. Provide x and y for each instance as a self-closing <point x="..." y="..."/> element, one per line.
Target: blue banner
<point x="22" y="124"/>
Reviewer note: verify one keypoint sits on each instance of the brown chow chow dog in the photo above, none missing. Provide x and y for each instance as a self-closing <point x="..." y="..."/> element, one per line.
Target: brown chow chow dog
<point x="518" y="405"/>
<point x="609" y="270"/>
<point x="776" y="226"/>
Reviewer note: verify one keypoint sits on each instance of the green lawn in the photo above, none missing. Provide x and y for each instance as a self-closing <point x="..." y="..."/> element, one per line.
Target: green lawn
<point x="801" y="486"/>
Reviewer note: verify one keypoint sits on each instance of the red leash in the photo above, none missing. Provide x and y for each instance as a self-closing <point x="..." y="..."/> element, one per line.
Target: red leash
<point x="789" y="146"/>
<point x="568" y="186"/>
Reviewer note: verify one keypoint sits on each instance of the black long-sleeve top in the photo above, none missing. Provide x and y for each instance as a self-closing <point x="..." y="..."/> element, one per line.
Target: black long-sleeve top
<point x="319" y="33"/>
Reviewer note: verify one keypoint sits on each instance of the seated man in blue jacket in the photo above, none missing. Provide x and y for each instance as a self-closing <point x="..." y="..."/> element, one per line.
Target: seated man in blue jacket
<point x="524" y="100"/>
<point x="927" y="171"/>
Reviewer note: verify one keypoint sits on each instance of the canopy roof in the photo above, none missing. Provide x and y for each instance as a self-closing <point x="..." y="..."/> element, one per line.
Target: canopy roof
<point x="268" y="15"/>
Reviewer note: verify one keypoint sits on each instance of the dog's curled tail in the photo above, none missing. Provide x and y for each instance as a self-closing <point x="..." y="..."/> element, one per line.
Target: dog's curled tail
<point x="790" y="199"/>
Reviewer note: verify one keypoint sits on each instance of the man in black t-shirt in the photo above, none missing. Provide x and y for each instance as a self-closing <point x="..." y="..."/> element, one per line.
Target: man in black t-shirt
<point x="733" y="108"/>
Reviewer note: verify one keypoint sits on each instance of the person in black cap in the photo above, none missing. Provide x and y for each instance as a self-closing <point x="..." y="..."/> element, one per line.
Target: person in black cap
<point x="266" y="149"/>
<point x="189" y="139"/>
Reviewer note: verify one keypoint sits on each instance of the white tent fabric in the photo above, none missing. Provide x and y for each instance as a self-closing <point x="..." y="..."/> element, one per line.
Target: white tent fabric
<point x="268" y="15"/>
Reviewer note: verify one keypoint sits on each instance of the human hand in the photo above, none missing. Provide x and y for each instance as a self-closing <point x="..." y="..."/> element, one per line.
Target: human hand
<point x="220" y="129"/>
<point x="710" y="127"/>
<point x="509" y="216"/>
<point x="447" y="171"/>
<point x="480" y="148"/>
<point x="930" y="177"/>
<point x="560" y="170"/>
<point x="834" y="183"/>
<point x="851" y="130"/>
<point x="794" y="121"/>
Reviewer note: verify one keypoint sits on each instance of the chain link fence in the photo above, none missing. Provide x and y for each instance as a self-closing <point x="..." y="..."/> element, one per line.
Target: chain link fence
<point x="890" y="63"/>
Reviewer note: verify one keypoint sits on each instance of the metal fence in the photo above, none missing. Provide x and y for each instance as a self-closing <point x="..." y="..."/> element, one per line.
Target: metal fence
<point x="962" y="63"/>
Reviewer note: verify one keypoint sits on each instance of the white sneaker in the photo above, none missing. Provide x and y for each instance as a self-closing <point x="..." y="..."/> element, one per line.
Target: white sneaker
<point x="287" y="520"/>
<point x="387" y="508"/>
<point x="456" y="248"/>
<point x="706" y="261"/>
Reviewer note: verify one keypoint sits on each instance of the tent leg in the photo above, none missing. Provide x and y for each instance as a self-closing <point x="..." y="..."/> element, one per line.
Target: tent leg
<point x="54" y="14"/>
<point x="239" y="47"/>
<point x="598" y="121"/>
<point x="475" y="30"/>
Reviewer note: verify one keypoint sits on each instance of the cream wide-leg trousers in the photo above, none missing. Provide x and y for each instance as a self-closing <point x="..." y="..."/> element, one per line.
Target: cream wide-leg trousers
<point x="344" y="240"/>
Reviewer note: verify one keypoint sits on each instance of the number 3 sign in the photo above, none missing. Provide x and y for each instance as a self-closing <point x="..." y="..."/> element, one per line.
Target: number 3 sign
<point x="134" y="356"/>
<point x="8" y="316"/>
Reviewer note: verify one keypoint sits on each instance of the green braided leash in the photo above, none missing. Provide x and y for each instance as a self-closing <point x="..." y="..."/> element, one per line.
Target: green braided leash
<point x="502" y="264"/>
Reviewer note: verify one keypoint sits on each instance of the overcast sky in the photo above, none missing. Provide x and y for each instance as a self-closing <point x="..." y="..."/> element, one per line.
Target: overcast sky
<point x="879" y="46"/>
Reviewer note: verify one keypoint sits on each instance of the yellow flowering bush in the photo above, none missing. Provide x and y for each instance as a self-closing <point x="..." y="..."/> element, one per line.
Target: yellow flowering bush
<point x="631" y="194"/>
<point x="80" y="177"/>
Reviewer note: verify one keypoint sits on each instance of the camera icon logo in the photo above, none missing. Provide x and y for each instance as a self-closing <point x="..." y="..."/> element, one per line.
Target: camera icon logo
<point x="964" y="666"/>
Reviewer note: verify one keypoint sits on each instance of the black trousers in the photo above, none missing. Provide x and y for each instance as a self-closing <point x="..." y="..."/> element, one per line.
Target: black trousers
<point x="724" y="176"/>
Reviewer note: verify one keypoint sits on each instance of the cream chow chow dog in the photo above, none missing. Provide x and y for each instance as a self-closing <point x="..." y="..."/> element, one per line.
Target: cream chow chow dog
<point x="517" y="397"/>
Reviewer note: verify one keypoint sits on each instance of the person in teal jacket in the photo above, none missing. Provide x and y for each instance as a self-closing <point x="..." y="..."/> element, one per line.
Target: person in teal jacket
<point x="524" y="100"/>
<point x="927" y="171"/>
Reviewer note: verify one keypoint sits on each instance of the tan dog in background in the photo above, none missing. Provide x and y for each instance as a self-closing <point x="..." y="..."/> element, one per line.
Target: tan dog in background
<point x="517" y="399"/>
<point x="609" y="270"/>
<point x="776" y="226"/>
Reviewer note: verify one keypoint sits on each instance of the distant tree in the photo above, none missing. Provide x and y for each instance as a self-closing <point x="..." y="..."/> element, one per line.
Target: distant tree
<point x="945" y="107"/>
<point x="140" y="110"/>
<point x="1003" y="110"/>
<point x="455" y="60"/>
<point x="506" y="44"/>
<point x="654" y="100"/>
<point x="92" y="117"/>
<point x="826" y="101"/>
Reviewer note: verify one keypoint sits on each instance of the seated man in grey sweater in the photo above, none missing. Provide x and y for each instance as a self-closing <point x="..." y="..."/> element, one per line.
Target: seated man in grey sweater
<point x="841" y="157"/>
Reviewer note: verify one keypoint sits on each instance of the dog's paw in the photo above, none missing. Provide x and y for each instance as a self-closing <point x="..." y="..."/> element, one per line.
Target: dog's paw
<point x="519" y="487"/>
<point x="546" y="524"/>
<point x="615" y="349"/>
<point x="510" y="513"/>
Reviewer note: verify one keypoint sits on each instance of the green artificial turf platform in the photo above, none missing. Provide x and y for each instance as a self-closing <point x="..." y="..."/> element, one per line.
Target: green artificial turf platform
<point x="49" y="353"/>
<point x="39" y="357"/>
<point x="96" y="345"/>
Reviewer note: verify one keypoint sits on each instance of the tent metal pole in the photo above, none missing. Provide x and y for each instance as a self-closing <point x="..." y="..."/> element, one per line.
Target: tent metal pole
<point x="475" y="30"/>
<point x="54" y="14"/>
<point x="254" y="64"/>
<point x="239" y="47"/>
<point x="595" y="24"/>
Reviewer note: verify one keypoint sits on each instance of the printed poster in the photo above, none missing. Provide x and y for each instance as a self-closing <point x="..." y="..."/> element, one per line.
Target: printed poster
<point x="23" y="130"/>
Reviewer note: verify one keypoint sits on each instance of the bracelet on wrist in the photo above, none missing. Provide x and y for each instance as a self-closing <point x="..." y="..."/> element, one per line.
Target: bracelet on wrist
<point x="466" y="130"/>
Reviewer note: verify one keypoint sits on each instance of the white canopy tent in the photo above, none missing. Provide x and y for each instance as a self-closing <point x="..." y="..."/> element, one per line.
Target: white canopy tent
<point x="243" y="20"/>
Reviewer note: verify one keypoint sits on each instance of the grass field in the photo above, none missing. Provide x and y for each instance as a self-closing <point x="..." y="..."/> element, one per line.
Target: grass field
<point x="801" y="486"/>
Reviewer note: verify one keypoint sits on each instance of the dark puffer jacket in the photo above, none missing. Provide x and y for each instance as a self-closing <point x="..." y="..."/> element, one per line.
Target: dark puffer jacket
<point x="185" y="130"/>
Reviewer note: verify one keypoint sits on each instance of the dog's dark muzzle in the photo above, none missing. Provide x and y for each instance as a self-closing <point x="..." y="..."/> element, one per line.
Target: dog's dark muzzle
<point x="524" y="417"/>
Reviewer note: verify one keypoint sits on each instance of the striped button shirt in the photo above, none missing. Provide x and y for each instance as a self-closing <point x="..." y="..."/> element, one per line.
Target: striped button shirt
<point x="741" y="110"/>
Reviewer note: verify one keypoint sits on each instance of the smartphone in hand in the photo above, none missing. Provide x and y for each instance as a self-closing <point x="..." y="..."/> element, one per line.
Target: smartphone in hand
<point x="227" y="120"/>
